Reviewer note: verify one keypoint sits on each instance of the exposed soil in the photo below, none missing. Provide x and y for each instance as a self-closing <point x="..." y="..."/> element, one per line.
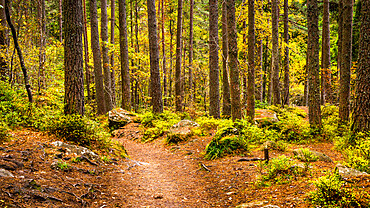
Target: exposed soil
<point x="155" y="175"/>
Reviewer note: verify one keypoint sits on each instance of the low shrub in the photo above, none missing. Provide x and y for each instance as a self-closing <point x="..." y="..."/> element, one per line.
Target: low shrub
<point x="331" y="191"/>
<point x="4" y="132"/>
<point x="206" y="124"/>
<point x="226" y="141"/>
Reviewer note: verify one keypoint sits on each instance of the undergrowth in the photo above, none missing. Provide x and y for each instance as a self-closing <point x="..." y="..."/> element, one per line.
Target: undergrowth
<point x="332" y="191"/>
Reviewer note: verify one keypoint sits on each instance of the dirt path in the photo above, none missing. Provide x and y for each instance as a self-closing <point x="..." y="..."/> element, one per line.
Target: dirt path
<point x="158" y="177"/>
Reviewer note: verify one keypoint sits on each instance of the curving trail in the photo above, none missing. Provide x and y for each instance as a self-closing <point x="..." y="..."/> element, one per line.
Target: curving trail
<point x="158" y="177"/>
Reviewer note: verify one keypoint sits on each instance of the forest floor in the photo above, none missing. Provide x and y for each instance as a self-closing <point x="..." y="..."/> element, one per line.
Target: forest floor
<point x="154" y="175"/>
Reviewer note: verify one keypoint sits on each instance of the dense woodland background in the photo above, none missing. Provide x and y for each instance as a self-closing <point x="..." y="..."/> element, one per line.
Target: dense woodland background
<point x="249" y="73"/>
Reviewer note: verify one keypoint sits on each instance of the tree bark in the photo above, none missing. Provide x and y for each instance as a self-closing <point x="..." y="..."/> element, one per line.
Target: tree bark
<point x="125" y="70"/>
<point x="164" y="58"/>
<point x="73" y="57"/>
<point x="214" y="85"/>
<point x="16" y="45"/>
<point x="325" y="57"/>
<point x="179" y="92"/>
<point x="155" y="79"/>
<point x="112" y="41"/>
<point x="233" y="61"/>
<point x="60" y="21"/>
<point x="107" y="74"/>
<point x="95" y="45"/>
<point x="3" y="65"/>
<point x="361" y="110"/>
<point x="314" y="112"/>
<point x="191" y="51"/>
<point x="226" y="102"/>
<point x="86" y="51"/>
<point x="286" y="95"/>
<point x="251" y="64"/>
<point x="275" y="53"/>
<point x="345" y="68"/>
<point x="42" y="55"/>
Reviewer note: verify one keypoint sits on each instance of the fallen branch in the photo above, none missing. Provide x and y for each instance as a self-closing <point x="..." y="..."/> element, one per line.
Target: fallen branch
<point x="204" y="167"/>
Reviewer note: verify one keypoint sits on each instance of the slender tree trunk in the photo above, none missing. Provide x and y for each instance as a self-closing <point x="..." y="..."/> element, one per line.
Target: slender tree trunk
<point x="251" y="45"/>
<point x="95" y="45"/>
<point x="179" y="93"/>
<point x="214" y="93"/>
<point x="86" y="50"/>
<point x="60" y="21"/>
<point x="3" y="44"/>
<point x="112" y="41"/>
<point x="275" y="53"/>
<point x="233" y="61"/>
<point x="155" y="79"/>
<point x="137" y="50"/>
<point x="340" y="35"/>
<point x="286" y="55"/>
<point x="345" y="68"/>
<point x="361" y="110"/>
<point x="314" y="112"/>
<point x="226" y="102"/>
<point x="325" y="57"/>
<point x="260" y="57"/>
<point x="73" y="57"/>
<point x="164" y="59"/>
<point x="16" y="45"/>
<point x="171" y="59"/>
<point x="105" y="49"/>
<point x="42" y="55"/>
<point x="125" y="70"/>
<point x="191" y="51"/>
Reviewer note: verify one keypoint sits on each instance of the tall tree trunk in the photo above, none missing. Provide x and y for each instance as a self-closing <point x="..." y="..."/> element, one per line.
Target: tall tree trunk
<point x="340" y="37"/>
<point x="125" y="70"/>
<point x="275" y="53"/>
<point x="95" y="45"/>
<point x="86" y="51"/>
<point x="106" y="68"/>
<point x="286" y="55"/>
<point x="16" y="45"/>
<point x="191" y="51"/>
<point x="137" y="50"/>
<point x="3" y="45"/>
<point x="361" y="110"/>
<point x="155" y="79"/>
<point x="233" y="61"/>
<point x="112" y="41"/>
<point x="260" y="69"/>
<point x="226" y="102"/>
<point x="42" y="55"/>
<point x="251" y="45"/>
<point x="73" y="57"/>
<point x="214" y="92"/>
<point x="60" y="21"/>
<point x="164" y="58"/>
<point x="314" y="112"/>
<point x="171" y="59"/>
<point x="179" y="92"/>
<point x="345" y="68"/>
<point x="325" y="57"/>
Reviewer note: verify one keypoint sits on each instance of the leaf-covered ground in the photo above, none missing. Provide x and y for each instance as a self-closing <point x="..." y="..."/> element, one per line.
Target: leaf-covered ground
<point x="155" y="175"/>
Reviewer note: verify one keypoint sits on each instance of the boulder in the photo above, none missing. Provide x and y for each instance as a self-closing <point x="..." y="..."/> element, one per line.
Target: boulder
<point x="299" y="154"/>
<point x="265" y="117"/>
<point x="181" y="131"/>
<point x="5" y="173"/>
<point x="118" y="118"/>
<point x="347" y="172"/>
<point x="77" y="150"/>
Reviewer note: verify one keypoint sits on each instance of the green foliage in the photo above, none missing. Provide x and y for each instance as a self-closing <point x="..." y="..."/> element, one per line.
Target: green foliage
<point x="279" y="170"/>
<point x="331" y="193"/>
<point x="306" y="155"/>
<point x="64" y="166"/>
<point x="261" y="105"/>
<point x="291" y="125"/>
<point x="358" y="156"/>
<point x="206" y="124"/>
<point x="74" y="128"/>
<point x="4" y="129"/>
<point x="106" y="159"/>
<point x="226" y="141"/>
<point x="157" y="124"/>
